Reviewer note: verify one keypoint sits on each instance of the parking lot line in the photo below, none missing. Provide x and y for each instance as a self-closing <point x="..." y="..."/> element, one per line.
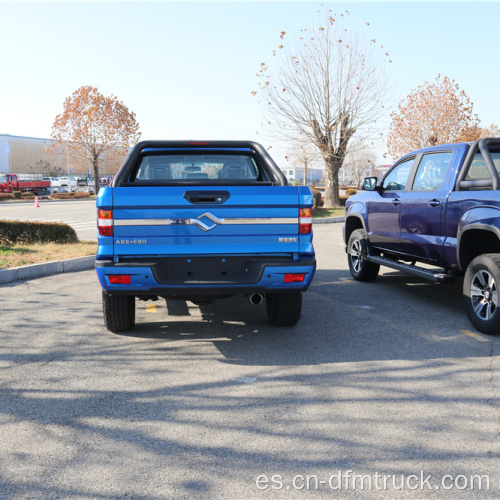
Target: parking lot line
<point x="475" y="336"/>
<point x="151" y="308"/>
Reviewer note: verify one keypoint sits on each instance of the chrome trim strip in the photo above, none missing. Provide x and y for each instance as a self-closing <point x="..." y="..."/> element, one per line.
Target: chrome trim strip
<point x="151" y="222"/>
<point x="256" y="220"/>
<point x="197" y="222"/>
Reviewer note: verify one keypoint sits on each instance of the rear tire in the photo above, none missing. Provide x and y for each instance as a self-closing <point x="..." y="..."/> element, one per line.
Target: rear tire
<point x="481" y="293"/>
<point x="361" y="269"/>
<point x="283" y="309"/>
<point x="119" y="312"/>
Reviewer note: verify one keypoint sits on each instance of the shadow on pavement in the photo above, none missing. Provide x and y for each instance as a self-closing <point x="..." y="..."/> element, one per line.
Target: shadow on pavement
<point x="342" y="321"/>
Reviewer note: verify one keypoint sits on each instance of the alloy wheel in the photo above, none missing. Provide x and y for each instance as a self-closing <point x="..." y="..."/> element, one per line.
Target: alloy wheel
<point x="356" y="256"/>
<point x="484" y="294"/>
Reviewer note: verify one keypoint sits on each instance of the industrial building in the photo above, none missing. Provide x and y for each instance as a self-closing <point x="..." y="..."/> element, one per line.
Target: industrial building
<point x="33" y="155"/>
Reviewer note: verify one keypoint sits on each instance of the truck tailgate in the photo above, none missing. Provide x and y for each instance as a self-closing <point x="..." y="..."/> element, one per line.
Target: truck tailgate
<point x="202" y="220"/>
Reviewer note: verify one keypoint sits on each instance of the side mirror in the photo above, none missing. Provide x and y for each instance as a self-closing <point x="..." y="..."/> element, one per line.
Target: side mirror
<point x="369" y="183"/>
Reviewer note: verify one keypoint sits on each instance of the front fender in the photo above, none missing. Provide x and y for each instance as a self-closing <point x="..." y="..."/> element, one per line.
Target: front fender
<point x="355" y="218"/>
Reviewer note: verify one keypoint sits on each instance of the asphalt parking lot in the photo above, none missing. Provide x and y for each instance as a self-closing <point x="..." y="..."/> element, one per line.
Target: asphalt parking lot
<point x="377" y="379"/>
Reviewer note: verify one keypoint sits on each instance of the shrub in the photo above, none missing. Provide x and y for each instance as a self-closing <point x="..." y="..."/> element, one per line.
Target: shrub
<point x="317" y="199"/>
<point x="350" y="192"/>
<point x="342" y="200"/>
<point x="17" y="194"/>
<point x="28" y="196"/>
<point x="15" y="231"/>
<point x="6" y="196"/>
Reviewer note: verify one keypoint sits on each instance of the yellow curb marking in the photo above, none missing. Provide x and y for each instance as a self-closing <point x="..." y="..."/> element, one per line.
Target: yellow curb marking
<point x="151" y="308"/>
<point x="475" y="336"/>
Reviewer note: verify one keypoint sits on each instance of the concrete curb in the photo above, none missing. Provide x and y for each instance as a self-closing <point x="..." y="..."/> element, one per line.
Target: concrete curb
<point x="328" y="220"/>
<point x="46" y="268"/>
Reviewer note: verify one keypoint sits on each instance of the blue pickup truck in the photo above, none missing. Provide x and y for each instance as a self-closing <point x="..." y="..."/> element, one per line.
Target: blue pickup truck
<point x="436" y="215"/>
<point x="199" y="221"/>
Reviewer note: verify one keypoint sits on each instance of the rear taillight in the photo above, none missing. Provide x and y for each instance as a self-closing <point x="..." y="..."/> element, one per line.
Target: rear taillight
<point x="105" y="222"/>
<point x="294" y="277"/>
<point x="305" y="221"/>
<point x="119" y="279"/>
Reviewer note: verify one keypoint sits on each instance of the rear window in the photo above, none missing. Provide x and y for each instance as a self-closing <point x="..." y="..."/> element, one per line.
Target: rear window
<point x="478" y="169"/>
<point x="180" y="168"/>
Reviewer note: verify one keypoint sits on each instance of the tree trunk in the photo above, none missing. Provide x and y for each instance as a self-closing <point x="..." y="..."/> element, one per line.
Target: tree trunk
<point x="95" y="165"/>
<point x="332" y="199"/>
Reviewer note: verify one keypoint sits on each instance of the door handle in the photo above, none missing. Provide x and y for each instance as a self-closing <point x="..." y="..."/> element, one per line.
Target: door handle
<point x="396" y="202"/>
<point x="434" y="203"/>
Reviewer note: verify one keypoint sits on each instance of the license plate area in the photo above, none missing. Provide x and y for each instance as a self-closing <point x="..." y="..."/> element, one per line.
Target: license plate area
<point x="209" y="270"/>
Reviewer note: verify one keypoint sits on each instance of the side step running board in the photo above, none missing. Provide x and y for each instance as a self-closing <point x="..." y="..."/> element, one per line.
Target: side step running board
<point x="428" y="274"/>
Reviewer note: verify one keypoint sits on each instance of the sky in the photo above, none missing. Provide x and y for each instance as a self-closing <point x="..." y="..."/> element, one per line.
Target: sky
<point x="188" y="69"/>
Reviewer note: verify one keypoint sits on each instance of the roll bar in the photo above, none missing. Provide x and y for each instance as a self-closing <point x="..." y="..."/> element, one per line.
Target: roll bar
<point x="273" y="172"/>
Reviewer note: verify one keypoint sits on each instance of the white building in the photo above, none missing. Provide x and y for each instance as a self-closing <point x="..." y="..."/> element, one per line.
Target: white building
<point x="315" y="176"/>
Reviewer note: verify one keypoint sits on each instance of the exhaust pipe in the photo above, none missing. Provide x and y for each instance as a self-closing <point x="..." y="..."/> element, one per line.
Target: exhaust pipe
<point x="256" y="299"/>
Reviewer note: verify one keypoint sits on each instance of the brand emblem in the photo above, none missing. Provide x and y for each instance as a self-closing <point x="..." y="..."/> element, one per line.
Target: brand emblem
<point x="198" y="221"/>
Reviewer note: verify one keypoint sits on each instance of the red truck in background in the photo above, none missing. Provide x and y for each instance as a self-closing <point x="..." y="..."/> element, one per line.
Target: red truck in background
<point x="11" y="182"/>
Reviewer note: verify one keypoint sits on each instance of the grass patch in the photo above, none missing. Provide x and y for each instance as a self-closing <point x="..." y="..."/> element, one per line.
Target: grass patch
<point x="15" y="255"/>
<point x="329" y="212"/>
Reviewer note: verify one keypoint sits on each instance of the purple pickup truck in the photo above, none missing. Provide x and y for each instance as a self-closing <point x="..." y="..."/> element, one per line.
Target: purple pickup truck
<point x="435" y="214"/>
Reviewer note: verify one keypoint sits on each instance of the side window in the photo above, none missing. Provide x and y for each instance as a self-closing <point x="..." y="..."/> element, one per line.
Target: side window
<point x="396" y="179"/>
<point x="431" y="171"/>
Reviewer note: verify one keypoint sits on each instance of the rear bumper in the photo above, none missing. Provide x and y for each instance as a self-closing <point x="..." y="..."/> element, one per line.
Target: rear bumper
<point x="172" y="277"/>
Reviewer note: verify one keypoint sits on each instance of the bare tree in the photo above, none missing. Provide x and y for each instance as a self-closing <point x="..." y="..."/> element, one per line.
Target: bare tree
<point x="325" y="88"/>
<point x="305" y="156"/>
<point x="358" y="163"/>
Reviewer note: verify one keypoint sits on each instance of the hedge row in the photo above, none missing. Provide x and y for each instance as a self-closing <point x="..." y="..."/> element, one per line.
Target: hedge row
<point x="17" y="195"/>
<point x="65" y="196"/>
<point x="15" y="231"/>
